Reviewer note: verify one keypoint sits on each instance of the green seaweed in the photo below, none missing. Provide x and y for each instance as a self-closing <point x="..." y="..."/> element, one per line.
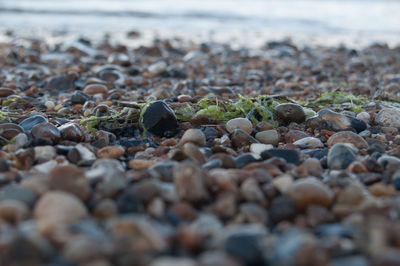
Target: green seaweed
<point x="336" y="98"/>
<point x="90" y="123"/>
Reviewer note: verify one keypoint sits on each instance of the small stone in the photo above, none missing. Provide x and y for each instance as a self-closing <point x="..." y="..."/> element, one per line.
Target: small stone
<point x="195" y="136"/>
<point x="157" y="68"/>
<point x="189" y="182"/>
<point x="382" y="190"/>
<point x="30" y="122"/>
<point x="49" y="105"/>
<point x="240" y="138"/>
<point x="44" y="153"/>
<point x="21" y="140"/>
<point x="282" y="209"/>
<point x="63" y="82"/>
<point x="268" y="137"/>
<point x="246" y="244"/>
<point x="290" y="155"/>
<point x="13" y="211"/>
<point x="253" y="213"/>
<point x="4" y="167"/>
<point x="10" y="130"/>
<point x="71" y="131"/>
<point x="289" y="112"/>
<point x="340" y="156"/>
<point x="309" y="143"/>
<point x="92" y="89"/>
<point x="80" y="155"/>
<point x="59" y="208"/>
<point x="79" y="97"/>
<point x="364" y="116"/>
<point x="105" y="208"/>
<point x="245" y="159"/>
<point x="283" y="182"/>
<point x="388" y="117"/>
<point x="313" y="166"/>
<point x="141" y="164"/>
<point x="159" y="119"/>
<point x="293" y="135"/>
<point x="112" y="152"/>
<point x="347" y="137"/>
<point x="70" y="178"/>
<point x="239" y="123"/>
<point x="193" y="152"/>
<point x="327" y="119"/>
<point x="251" y="191"/>
<point x="258" y="148"/>
<point x="310" y="191"/>
<point x="17" y="192"/>
<point x="46" y="130"/>
<point x="5" y="92"/>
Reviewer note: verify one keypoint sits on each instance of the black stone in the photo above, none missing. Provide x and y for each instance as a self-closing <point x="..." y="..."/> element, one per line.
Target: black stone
<point x="4" y="167"/>
<point x="126" y="203"/>
<point x="290" y="155"/>
<point x="79" y="97"/>
<point x="247" y="247"/>
<point x="245" y="159"/>
<point x="28" y="123"/>
<point x="282" y="209"/>
<point x="357" y="124"/>
<point x="160" y="120"/>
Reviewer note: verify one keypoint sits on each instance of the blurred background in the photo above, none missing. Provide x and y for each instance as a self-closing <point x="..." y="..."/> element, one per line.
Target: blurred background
<point x="243" y="22"/>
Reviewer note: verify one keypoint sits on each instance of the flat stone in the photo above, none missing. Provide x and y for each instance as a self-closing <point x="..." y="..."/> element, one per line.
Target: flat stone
<point x="290" y="112"/>
<point x="388" y="117"/>
<point x="309" y="143"/>
<point x="327" y="119"/>
<point x="239" y="123"/>
<point x="28" y="123"/>
<point x="347" y="137"/>
<point x="268" y="137"/>
<point x="111" y="152"/>
<point x="189" y="182"/>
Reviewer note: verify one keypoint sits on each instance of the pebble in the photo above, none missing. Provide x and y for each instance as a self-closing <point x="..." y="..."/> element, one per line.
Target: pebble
<point x="347" y="137"/>
<point x="282" y="209"/>
<point x="293" y="135"/>
<point x="59" y="208"/>
<point x="63" y="82"/>
<point x="193" y="152"/>
<point x="195" y="136"/>
<point x="44" y="153"/>
<point x="46" y="131"/>
<point x="13" y="211"/>
<point x="309" y="191"/>
<point x="93" y="89"/>
<point x="10" y="130"/>
<point x="189" y="182"/>
<point x="79" y="97"/>
<point x="309" y="143"/>
<point x="340" y="156"/>
<point x="71" y="131"/>
<point x="19" y="193"/>
<point x="290" y="155"/>
<point x="157" y="68"/>
<point x="268" y="137"/>
<point x="159" y="119"/>
<point x="388" y="117"/>
<point x="258" y="148"/>
<point x="71" y="179"/>
<point x="327" y="119"/>
<point x="140" y="164"/>
<point x="32" y="121"/>
<point x="80" y="155"/>
<point x="240" y="138"/>
<point x="289" y="112"/>
<point x="239" y="123"/>
<point x="111" y="152"/>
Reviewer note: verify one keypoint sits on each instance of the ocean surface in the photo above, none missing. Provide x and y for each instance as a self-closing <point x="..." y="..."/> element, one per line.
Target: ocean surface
<point x="251" y="22"/>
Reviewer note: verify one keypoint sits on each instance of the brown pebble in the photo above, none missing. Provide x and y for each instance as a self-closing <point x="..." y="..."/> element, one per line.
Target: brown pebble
<point x="111" y="152"/>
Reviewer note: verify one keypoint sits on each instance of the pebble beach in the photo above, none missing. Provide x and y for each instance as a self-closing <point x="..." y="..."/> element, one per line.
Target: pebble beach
<point x="177" y="152"/>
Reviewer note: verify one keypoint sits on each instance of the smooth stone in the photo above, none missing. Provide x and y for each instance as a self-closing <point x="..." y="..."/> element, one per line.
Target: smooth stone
<point x="347" y="137"/>
<point x="195" y="136"/>
<point x="290" y="112"/>
<point x="340" y="156"/>
<point x="282" y="209"/>
<point x="313" y="166"/>
<point x="44" y="153"/>
<point x="258" y="148"/>
<point x="10" y="130"/>
<point x="327" y="119"/>
<point x="251" y="191"/>
<point x="72" y="131"/>
<point x="21" y="140"/>
<point x="290" y="155"/>
<point x="189" y="182"/>
<point x="159" y="119"/>
<point x="162" y="171"/>
<point x="309" y="191"/>
<point x="5" y="92"/>
<point x="13" y="211"/>
<point x="353" y="195"/>
<point x="4" y="167"/>
<point x="268" y="137"/>
<point x="157" y="67"/>
<point x="141" y="164"/>
<point x="246" y="244"/>
<point x="239" y="123"/>
<point x="193" y="152"/>
<point x="17" y="192"/>
<point x="240" y="138"/>
<point x="309" y="143"/>
<point x="63" y="82"/>
<point x="245" y="159"/>
<point x="112" y="152"/>
<point x="28" y="123"/>
<point x="253" y="213"/>
<point x="108" y="175"/>
<point x="293" y="135"/>
<point x="46" y="130"/>
<point x="79" y="97"/>
<point x="364" y="116"/>
<point x="71" y="179"/>
<point x="59" y="208"/>
<point x="388" y="117"/>
<point x="92" y="89"/>
<point x="80" y="155"/>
